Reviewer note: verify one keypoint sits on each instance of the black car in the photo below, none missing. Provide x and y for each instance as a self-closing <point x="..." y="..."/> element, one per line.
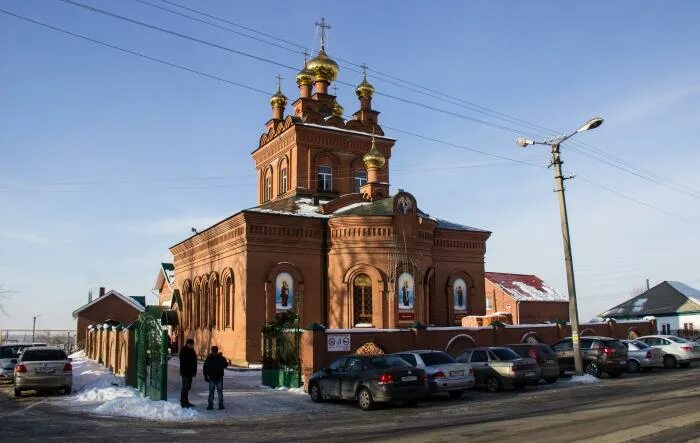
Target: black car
<point x="369" y="379"/>
<point x="599" y="354"/>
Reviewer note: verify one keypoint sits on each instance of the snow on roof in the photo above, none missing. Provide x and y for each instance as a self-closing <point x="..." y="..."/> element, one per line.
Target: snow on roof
<point x="524" y="287"/>
<point x="333" y="128"/>
<point x="692" y="293"/>
<point x="303" y="207"/>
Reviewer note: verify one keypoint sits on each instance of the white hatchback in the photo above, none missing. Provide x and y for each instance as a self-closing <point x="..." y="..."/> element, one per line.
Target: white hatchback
<point x="676" y="351"/>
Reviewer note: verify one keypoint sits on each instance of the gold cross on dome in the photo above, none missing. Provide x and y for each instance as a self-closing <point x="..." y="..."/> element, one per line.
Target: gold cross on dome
<point x="306" y="56"/>
<point x="323" y="26"/>
<point x="279" y="82"/>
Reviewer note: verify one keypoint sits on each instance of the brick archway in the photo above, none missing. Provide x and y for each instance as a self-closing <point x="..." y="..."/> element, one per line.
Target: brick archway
<point x="378" y="293"/>
<point x="633" y="333"/>
<point x="530" y="337"/>
<point x="449" y="293"/>
<point x="270" y="278"/>
<point x="459" y="344"/>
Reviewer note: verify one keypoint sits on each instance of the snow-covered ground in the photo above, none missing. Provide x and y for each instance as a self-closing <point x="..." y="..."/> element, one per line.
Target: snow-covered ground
<point x="96" y="390"/>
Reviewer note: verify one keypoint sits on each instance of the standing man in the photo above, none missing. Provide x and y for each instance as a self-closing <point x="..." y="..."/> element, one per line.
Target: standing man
<point x="213" y="370"/>
<point x="188" y="370"/>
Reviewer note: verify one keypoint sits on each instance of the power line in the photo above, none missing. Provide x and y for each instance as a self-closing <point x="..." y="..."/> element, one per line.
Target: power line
<point x="394" y="129"/>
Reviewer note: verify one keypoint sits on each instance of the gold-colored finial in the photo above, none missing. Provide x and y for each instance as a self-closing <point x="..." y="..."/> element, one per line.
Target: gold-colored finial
<point x="305" y="77"/>
<point x="364" y="89"/>
<point x="321" y="66"/>
<point x="338" y="110"/>
<point x="322" y="26"/>
<point x="373" y="158"/>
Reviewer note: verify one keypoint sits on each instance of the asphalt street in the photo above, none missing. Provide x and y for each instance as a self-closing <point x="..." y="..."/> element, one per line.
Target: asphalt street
<point x="658" y="406"/>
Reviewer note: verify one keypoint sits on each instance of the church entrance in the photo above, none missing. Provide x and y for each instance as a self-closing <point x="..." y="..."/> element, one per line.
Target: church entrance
<point x="362" y="301"/>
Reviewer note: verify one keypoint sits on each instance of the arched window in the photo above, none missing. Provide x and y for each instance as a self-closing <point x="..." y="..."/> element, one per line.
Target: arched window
<point x="213" y="302"/>
<point x="203" y="321"/>
<point x="359" y="178"/>
<point x="228" y="303"/>
<point x="325" y="178"/>
<point x="196" y="300"/>
<point x="283" y="174"/>
<point x="362" y="300"/>
<point x="267" y="185"/>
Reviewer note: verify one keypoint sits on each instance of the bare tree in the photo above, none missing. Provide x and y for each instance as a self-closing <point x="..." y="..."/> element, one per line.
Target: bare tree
<point x="4" y="295"/>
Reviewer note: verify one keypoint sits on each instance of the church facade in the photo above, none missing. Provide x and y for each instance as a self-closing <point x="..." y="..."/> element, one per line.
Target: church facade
<point x="326" y="240"/>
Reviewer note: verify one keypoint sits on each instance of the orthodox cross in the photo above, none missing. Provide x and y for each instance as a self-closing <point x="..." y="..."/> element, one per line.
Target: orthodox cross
<point x="364" y="71"/>
<point x="279" y="82"/>
<point x="306" y="56"/>
<point x="323" y="26"/>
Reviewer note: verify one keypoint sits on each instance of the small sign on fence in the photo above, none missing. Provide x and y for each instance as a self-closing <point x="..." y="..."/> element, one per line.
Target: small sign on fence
<point x="338" y="342"/>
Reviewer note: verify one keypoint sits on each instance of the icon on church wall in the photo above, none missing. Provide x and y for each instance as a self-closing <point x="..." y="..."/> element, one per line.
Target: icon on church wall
<point x="404" y="204"/>
<point x="284" y="292"/>
<point x="406" y="293"/>
<point x="459" y="289"/>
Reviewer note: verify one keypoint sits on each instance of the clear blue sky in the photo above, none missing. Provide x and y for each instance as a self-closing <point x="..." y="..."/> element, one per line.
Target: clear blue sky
<point x="107" y="159"/>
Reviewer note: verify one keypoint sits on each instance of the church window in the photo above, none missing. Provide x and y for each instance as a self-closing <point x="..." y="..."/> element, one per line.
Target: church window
<point x="325" y="178"/>
<point x="489" y="304"/>
<point x="268" y="186"/>
<point x="204" y="306"/>
<point x="359" y="178"/>
<point x="362" y="300"/>
<point x="283" y="174"/>
<point x="228" y="302"/>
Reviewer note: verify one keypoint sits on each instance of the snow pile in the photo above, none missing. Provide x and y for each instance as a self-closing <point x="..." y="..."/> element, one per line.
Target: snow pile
<point x="580" y="379"/>
<point x="527" y="292"/>
<point x="88" y="375"/>
<point x="299" y="391"/>
<point x="141" y="407"/>
<point x="106" y="394"/>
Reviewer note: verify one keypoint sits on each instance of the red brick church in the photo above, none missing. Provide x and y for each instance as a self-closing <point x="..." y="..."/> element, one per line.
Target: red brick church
<point x="326" y="238"/>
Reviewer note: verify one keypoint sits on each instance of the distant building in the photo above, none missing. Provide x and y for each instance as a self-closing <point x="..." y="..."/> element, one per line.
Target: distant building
<point x="525" y="297"/>
<point x="107" y="306"/>
<point x="165" y="283"/>
<point x="675" y="305"/>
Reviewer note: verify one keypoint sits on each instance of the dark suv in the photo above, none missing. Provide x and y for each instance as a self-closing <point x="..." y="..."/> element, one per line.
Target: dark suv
<point x="543" y="354"/>
<point x="599" y="354"/>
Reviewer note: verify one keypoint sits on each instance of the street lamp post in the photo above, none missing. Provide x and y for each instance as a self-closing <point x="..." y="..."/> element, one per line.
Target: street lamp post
<point x="34" y="325"/>
<point x="554" y="143"/>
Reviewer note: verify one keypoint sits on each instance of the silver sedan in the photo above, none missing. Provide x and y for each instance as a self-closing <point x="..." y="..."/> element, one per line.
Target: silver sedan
<point x="641" y="356"/>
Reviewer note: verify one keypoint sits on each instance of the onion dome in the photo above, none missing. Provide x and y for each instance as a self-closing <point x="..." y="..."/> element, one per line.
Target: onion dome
<point x="322" y="67"/>
<point x="364" y="89"/>
<point x="338" y="110"/>
<point x="279" y="99"/>
<point x="373" y="158"/>
<point x="305" y="77"/>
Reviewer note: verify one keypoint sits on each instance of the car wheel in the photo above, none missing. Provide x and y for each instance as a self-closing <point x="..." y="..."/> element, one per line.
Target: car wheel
<point x="365" y="400"/>
<point x="67" y="390"/>
<point x="456" y="394"/>
<point x="633" y="366"/>
<point x="315" y="393"/>
<point x="684" y="365"/>
<point x="614" y="374"/>
<point x="551" y="380"/>
<point x="670" y="362"/>
<point x="18" y="393"/>
<point x="493" y="384"/>
<point x="592" y="368"/>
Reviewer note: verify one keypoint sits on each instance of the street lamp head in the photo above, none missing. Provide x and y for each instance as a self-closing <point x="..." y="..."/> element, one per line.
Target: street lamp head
<point x="591" y="124"/>
<point x="523" y="142"/>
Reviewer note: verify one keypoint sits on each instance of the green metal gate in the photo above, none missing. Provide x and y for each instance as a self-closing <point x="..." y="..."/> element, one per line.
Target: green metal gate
<point x="151" y="358"/>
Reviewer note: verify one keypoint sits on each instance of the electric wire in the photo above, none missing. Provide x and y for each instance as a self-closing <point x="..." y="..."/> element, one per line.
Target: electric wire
<point x="45" y="25"/>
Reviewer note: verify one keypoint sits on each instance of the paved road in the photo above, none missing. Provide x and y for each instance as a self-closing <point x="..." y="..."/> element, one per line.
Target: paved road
<point x="662" y="406"/>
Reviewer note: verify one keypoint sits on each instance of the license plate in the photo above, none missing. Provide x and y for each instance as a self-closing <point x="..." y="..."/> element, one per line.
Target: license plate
<point x="456" y="373"/>
<point x="409" y="378"/>
<point x="549" y="362"/>
<point x="44" y="370"/>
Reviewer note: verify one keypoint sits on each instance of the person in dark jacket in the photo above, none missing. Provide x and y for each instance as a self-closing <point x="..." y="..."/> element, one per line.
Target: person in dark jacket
<point x="213" y="370"/>
<point x="188" y="370"/>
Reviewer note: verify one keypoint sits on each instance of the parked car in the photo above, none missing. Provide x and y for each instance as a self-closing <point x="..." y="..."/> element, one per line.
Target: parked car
<point x="369" y="379"/>
<point x="496" y="368"/>
<point x="443" y="372"/>
<point x="599" y="354"/>
<point x="676" y="351"/>
<point x="9" y="352"/>
<point x="45" y="367"/>
<point x="544" y="356"/>
<point x="641" y="356"/>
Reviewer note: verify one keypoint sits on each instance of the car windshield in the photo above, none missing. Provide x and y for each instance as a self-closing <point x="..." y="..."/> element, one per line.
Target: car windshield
<point x="503" y="354"/>
<point x="44" y="355"/>
<point x="678" y="339"/>
<point x="389" y="362"/>
<point x="10" y="351"/>
<point x="437" y="358"/>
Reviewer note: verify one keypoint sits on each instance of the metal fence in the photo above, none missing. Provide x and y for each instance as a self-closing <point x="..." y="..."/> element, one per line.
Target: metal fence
<point x="64" y="338"/>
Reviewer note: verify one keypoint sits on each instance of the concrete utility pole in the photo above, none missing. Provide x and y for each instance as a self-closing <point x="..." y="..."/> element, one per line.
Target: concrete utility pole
<point x="34" y="325"/>
<point x="554" y="143"/>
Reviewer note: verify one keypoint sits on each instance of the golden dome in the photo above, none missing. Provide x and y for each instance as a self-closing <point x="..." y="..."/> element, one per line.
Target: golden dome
<point x="322" y="67"/>
<point x="373" y="158"/>
<point x="279" y="99"/>
<point x="305" y="77"/>
<point x="338" y="110"/>
<point x="364" y="89"/>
